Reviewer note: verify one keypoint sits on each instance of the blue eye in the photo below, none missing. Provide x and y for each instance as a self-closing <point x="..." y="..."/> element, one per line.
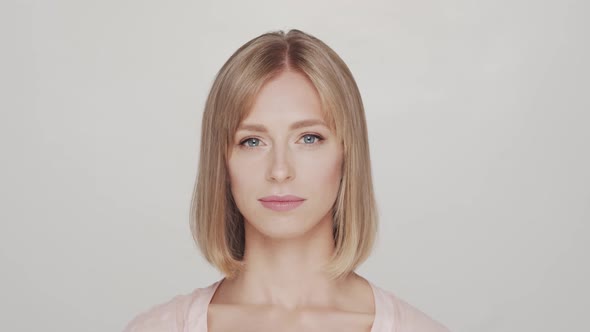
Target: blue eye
<point x="307" y="140"/>
<point x="250" y="140"/>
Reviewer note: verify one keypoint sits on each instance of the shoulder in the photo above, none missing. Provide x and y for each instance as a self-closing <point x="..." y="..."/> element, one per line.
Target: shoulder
<point x="404" y="317"/>
<point x="163" y="317"/>
<point x="169" y="316"/>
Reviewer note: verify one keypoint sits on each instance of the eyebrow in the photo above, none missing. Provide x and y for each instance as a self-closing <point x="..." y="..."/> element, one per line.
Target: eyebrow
<point x="295" y="125"/>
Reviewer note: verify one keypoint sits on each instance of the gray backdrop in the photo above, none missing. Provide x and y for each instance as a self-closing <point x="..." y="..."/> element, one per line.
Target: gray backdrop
<point x="478" y="114"/>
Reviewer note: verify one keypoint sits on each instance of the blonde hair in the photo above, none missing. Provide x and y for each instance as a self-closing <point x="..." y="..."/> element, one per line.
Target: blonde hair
<point x="216" y="223"/>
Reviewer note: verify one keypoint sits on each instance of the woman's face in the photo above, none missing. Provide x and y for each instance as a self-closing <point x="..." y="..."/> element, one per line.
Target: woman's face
<point x="284" y="147"/>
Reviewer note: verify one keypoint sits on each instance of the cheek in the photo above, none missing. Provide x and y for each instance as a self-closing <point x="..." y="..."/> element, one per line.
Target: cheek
<point x="245" y="176"/>
<point x="236" y="174"/>
<point x="323" y="171"/>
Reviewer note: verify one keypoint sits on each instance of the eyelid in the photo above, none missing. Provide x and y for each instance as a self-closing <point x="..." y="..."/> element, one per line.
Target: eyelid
<point x="247" y="139"/>
<point x="319" y="137"/>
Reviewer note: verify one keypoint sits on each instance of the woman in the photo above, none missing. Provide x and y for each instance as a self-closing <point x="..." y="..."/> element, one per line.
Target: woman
<point x="283" y="203"/>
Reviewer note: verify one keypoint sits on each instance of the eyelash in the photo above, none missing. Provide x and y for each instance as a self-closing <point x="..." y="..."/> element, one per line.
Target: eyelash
<point x="319" y="139"/>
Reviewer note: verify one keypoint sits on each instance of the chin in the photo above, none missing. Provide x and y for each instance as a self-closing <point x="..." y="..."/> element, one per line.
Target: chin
<point x="276" y="226"/>
<point x="282" y="227"/>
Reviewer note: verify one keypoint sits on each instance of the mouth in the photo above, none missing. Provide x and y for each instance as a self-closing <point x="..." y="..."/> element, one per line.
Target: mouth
<point x="281" y="203"/>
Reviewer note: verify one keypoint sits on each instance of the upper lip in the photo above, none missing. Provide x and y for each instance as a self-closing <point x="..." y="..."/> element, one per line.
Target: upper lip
<point x="285" y="198"/>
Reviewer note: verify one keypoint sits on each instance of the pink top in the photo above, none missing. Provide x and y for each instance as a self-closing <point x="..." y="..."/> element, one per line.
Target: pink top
<point x="188" y="313"/>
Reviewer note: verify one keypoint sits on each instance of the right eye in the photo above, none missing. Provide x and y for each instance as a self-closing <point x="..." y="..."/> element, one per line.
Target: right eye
<point x="255" y="142"/>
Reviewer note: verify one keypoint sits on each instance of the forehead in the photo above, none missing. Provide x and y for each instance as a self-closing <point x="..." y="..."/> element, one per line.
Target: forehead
<point x="288" y="97"/>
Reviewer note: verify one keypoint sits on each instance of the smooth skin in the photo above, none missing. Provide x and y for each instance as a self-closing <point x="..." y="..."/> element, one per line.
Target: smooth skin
<point x="282" y="287"/>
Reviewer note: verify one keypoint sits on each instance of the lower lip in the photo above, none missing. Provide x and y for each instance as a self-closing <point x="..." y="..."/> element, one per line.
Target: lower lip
<point x="281" y="206"/>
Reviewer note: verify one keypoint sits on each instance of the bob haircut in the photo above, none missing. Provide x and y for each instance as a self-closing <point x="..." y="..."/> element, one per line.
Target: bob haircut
<point x="217" y="226"/>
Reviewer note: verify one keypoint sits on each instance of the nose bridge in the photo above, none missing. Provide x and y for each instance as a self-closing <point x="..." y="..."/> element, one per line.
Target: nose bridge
<point x="281" y="167"/>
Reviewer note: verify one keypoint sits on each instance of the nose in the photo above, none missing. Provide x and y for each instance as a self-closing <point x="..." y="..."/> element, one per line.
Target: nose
<point x="281" y="166"/>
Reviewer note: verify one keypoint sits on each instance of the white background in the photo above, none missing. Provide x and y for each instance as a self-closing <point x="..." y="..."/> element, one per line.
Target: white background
<point x="478" y="113"/>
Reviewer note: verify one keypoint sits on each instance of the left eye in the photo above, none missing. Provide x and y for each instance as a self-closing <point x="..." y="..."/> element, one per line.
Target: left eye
<point x="309" y="138"/>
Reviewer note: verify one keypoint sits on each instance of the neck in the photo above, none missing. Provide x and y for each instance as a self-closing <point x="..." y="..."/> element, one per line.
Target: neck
<point x="287" y="272"/>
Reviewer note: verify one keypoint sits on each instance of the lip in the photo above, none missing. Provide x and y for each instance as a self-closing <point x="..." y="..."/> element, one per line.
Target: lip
<point x="286" y="198"/>
<point x="281" y="203"/>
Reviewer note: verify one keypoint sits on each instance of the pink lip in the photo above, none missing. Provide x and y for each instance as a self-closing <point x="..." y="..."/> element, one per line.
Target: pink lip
<point x="286" y="198"/>
<point x="281" y="203"/>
